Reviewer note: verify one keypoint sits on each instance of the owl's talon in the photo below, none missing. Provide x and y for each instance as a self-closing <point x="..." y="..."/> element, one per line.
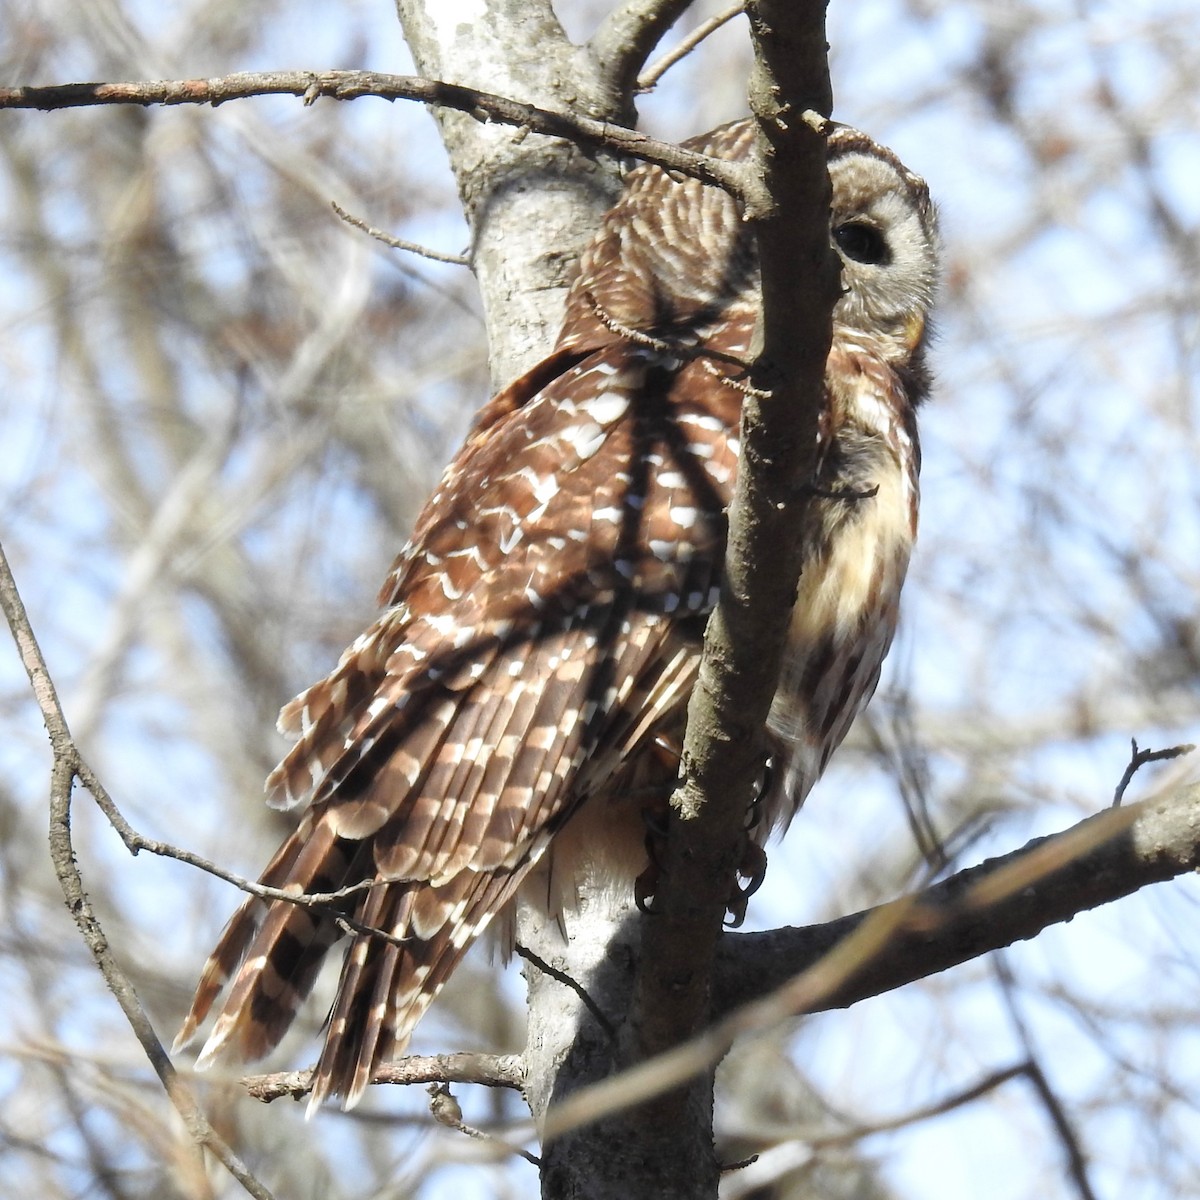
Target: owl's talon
<point x="644" y="887"/>
<point x="754" y="813"/>
<point x="668" y="750"/>
<point x="646" y="884"/>
<point x="735" y="906"/>
<point x="655" y="820"/>
<point x="753" y="869"/>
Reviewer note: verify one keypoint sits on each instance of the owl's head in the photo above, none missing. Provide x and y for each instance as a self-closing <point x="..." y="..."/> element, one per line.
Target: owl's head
<point x="884" y="227"/>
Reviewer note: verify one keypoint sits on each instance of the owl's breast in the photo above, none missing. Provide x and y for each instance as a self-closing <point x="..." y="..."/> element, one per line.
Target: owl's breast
<point x="863" y="526"/>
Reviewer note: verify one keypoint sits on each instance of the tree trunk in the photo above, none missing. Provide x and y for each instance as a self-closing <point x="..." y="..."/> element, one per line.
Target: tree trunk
<point x="532" y="202"/>
<point x="568" y="1047"/>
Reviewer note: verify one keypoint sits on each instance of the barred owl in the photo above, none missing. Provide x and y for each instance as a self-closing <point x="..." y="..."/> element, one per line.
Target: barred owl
<point x="505" y="723"/>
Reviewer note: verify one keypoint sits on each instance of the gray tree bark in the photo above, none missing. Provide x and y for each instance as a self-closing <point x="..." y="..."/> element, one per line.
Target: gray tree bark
<point x="532" y="202"/>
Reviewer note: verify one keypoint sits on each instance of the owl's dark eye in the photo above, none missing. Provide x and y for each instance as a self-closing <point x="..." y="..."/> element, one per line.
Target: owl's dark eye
<point x="861" y="242"/>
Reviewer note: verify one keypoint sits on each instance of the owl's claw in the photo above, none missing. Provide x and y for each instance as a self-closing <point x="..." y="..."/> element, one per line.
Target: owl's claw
<point x="644" y="886"/>
<point x="735" y="907"/>
<point x="667" y="750"/>
<point x="753" y="869"/>
<point x="754" y="814"/>
<point x="753" y="866"/>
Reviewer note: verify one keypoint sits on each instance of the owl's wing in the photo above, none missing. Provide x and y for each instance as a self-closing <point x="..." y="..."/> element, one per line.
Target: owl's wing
<point x="529" y="620"/>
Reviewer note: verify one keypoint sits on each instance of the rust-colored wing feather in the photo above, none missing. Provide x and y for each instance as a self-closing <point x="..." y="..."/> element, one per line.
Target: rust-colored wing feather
<point x="448" y="745"/>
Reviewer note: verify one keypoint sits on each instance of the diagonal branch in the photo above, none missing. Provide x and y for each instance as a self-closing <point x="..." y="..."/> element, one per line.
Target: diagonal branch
<point x="723" y="751"/>
<point x="627" y="37"/>
<point x="1055" y="1110"/>
<point x="352" y="85"/>
<point x="764" y="978"/>
<point x="62" y="853"/>
<point x="984" y="908"/>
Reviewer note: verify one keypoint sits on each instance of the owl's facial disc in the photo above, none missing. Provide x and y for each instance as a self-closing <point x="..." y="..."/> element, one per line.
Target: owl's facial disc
<point x="885" y="232"/>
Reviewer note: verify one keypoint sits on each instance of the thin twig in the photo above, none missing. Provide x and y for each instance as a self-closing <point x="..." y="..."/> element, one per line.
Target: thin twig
<point x="706" y="355"/>
<point x="136" y="842"/>
<point x="925" y="1112"/>
<point x="1076" y="1159"/>
<point x="566" y="980"/>
<point x="649" y="78"/>
<point x="457" y="260"/>
<point x="781" y="1157"/>
<point x="351" y="85"/>
<point x="446" y="1111"/>
<point x="1139" y="758"/>
<point x="67" y="766"/>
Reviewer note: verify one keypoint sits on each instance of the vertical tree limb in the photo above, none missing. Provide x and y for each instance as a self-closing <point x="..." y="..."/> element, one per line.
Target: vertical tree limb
<point x="723" y="753"/>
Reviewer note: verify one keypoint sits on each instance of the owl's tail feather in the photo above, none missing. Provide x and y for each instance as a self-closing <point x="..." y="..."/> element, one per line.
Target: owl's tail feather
<point x="273" y="950"/>
<point x="388" y="983"/>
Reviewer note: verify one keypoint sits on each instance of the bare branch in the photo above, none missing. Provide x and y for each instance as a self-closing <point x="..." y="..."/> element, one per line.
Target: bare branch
<point x="537" y="961"/>
<point x="796" y="1147"/>
<point x="738" y="674"/>
<point x="648" y="79"/>
<point x="925" y="1112"/>
<point x="627" y="37"/>
<point x="489" y="1070"/>
<point x="62" y="855"/>
<point x="983" y="908"/>
<point x="456" y="260"/>
<point x="1012" y="898"/>
<point x="352" y="85"/>
<point x="1053" y="1106"/>
<point x="1139" y="758"/>
<point x="136" y="842"/>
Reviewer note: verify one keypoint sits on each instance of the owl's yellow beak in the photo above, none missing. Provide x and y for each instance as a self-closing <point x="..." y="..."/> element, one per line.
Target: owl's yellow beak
<point x="914" y="330"/>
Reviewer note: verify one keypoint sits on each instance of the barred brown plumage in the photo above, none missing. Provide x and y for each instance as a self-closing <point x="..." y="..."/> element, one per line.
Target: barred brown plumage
<point x="542" y="627"/>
